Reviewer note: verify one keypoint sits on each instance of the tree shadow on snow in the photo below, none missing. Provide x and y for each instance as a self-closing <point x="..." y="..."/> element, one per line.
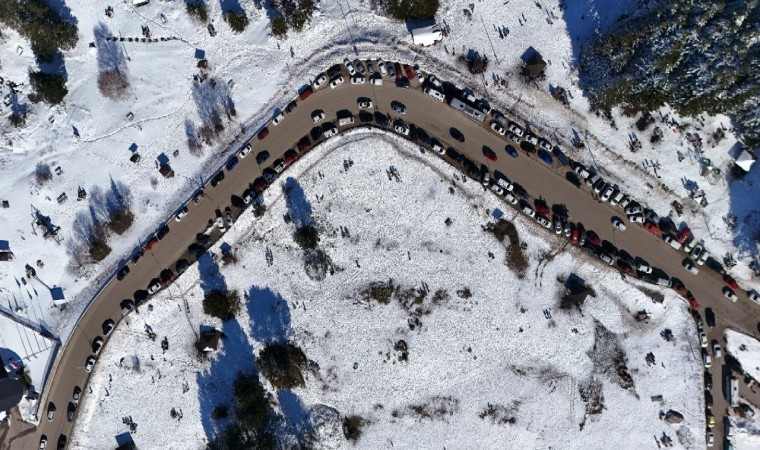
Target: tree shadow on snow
<point x="235" y="355"/>
<point x="298" y="206"/>
<point x="296" y="418"/>
<point x="270" y="316"/>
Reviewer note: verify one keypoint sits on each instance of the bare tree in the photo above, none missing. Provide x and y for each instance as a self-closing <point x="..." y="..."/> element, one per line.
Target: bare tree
<point x="113" y="77"/>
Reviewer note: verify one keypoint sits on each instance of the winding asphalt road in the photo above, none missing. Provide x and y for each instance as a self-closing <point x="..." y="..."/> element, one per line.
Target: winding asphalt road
<point x="435" y="118"/>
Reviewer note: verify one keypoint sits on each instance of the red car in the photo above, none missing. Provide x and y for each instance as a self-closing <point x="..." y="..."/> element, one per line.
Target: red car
<point x="692" y="301"/>
<point x="263" y="133"/>
<point x="541" y="208"/>
<point x="290" y="157"/>
<point x="409" y="72"/>
<point x="625" y="268"/>
<point x="304" y="145"/>
<point x="167" y="276"/>
<point x="259" y="184"/>
<point x="151" y="243"/>
<point x="652" y="228"/>
<point x="730" y="281"/>
<point x="592" y="237"/>
<point x="489" y="153"/>
<point x="575" y="236"/>
<point x="683" y="235"/>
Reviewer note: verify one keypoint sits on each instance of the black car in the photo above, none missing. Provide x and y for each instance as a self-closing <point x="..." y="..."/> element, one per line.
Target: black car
<point x="527" y="147"/>
<point x="75" y="396"/>
<point x="62" y="442"/>
<point x="217" y="178"/>
<point x="141" y="295"/>
<point x="333" y="71"/>
<point x="196" y="250"/>
<point x="108" y="325"/>
<point x="70" y="411"/>
<point x="708" y="399"/>
<point x="123" y="272"/>
<point x="270" y="174"/>
<point x="181" y="266"/>
<point x="708" y="380"/>
<point x="456" y="134"/>
<point x="139" y="252"/>
<point x="365" y="117"/>
<point x="454" y="155"/>
<point x="291" y="106"/>
<point x="262" y="156"/>
<point x="710" y="317"/>
<point x="162" y="232"/>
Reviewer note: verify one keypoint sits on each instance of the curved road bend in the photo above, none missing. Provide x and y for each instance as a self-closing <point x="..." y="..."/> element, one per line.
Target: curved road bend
<point x="428" y="114"/>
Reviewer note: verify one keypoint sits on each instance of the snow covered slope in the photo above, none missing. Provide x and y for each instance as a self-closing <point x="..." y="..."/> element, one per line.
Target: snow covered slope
<point x="493" y="362"/>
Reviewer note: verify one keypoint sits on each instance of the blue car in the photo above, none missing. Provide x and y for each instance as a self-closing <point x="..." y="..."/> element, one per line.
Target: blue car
<point x="560" y="156"/>
<point x="232" y="163"/>
<point x="511" y="151"/>
<point x="545" y="157"/>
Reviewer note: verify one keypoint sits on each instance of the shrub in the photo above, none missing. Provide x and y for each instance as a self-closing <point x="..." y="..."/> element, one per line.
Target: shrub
<point x="281" y="364"/>
<point x="221" y="304"/>
<point x="197" y="9"/>
<point x="352" y="427"/>
<point x="42" y="173"/>
<point x="306" y="236"/>
<point x="49" y="87"/>
<point x="18" y="120"/>
<point x="279" y="26"/>
<point x="252" y="409"/>
<point x="259" y="209"/>
<point x="121" y="220"/>
<point x="99" y="249"/>
<point x="237" y="20"/>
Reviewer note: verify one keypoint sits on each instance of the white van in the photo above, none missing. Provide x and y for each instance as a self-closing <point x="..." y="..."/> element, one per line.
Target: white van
<point x="671" y="241"/>
<point x="435" y="94"/>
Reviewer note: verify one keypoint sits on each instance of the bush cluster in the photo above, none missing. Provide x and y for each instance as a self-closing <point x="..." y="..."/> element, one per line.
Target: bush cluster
<point x="49" y="87"/>
<point x="291" y="15"/>
<point x="409" y="9"/>
<point x="37" y="21"/>
<point x="281" y="364"/>
<point x="221" y="304"/>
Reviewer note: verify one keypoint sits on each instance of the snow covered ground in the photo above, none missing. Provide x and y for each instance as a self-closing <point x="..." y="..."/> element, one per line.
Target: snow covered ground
<point x="746" y="349"/>
<point x="490" y="338"/>
<point x="255" y="73"/>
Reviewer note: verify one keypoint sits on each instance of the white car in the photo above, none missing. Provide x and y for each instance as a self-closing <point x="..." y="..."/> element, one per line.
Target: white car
<point x="279" y="166"/>
<point x="607" y="194"/>
<point x="617" y="223"/>
<point x="349" y="67"/>
<point x="754" y="296"/>
<point x="402" y="129"/>
<point x="486" y="179"/>
<point x="496" y="126"/>
<point x="505" y="184"/>
<point x="636" y="218"/>
<point x="511" y="198"/>
<point x="633" y="210"/>
<point x="703" y="258"/>
<point x="277" y="119"/>
<point x="543" y="221"/>
<point x="703" y="339"/>
<point x="89" y="364"/>
<point x="689" y="266"/>
<point x="616" y="197"/>
<point x="514" y="128"/>
<point x="671" y="241"/>
<point x="220" y="224"/>
<point x="331" y="132"/>
<point x="625" y="201"/>
<point x="153" y="288"/>
<point x="365" y="104"/>
<point x="376" y="81"/>
<point x="97" y="345"/>
<point x="688" y="246"/>
<point x="497" y="189"/>
<point x="438" y="149"/>
<point x="434" y="81"/>
<point x="381" y="66"/>
<point x="513" y="137"/>
<point x="398" y="108"/>
<point x="357" y="79"/>
<point x="528" y="211"/>
<point x="706" y="359"/>
<point x="531" y="138"/>
<point x="318" y="116"/>
<point x="710" y="439"/>
<point x="182" y="213"/>
<point x="246" y="150"/>
<point x="643" y="268"/>
<point x="546" y="145"/>
<point x="717" y="353"/>
<point x="435" y="94"/>
<point x="337" y="81"/>
<point x="697" y="252"/>
<point x="321" y="80"/>
<point x="729" y="294"/>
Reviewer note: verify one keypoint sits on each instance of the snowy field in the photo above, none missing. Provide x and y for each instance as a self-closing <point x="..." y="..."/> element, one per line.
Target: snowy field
<point x="91" y="138"/>
<point x="489" y="338"/>
<point x="746" y="350"/>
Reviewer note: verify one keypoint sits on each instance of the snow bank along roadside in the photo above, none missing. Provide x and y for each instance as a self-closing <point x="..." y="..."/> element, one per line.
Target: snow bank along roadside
<point x="492" y="356"/>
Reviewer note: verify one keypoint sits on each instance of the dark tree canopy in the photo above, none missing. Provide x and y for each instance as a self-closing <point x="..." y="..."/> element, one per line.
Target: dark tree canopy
<point x="37" y="21"/>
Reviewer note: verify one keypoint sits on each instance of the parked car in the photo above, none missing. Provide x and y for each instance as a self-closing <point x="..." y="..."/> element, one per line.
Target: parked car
<point x="543" y="221"/>
<point x="349" y="66"/>
<point x="359" y="66"/>
<point x="228" y="216"/>
<point x="123" y="272"/>
<point x="652" y="228"/>
<point x="683" y="235"/>
<point x="401" y="129"/>
<point x="510" y="198"/>
<point x="381" y="66"/>
<point x="531" y="138"/>
<point x="558" y="228"/>
<point x="488" y="153"/>
<point x="263" y="133"/>
<point x="77" y="394"/>
<point x="330" y="132"/>
<point x="291" y="106"/>
<point x="528" y="211"/>
<point x="688" y="264"/>
<point x="364" y="102"/>
<point x="607" y="193"/>
<point x="97" y="344"/>
<point x="671" y="241"/>
<point x="560" y="155"/>
<point x="43" y="442"/>
<point x="337" y="81"/>
<point x="319" y="81"/>
<point x="182" y="213"/>
<point x="516" y="129"/>
<point x="434" y="93"/>
<point x="377" y="81"/>
<point x="51" y="410"/>
<point x="496" y="189"/>
<point x="729" y="294"/>
<point x="643" y="267"/>
<point x="729" y="280"/>
<point x="217" y="179"/>
<point x="89" y="363"/>
<point x="618" y="223"/>
<point x="107" y="326"/>
<point x="545" y="157"/>
<point x="496" y="126"/>
<point x="716" y="349"/>
<point x="708" y="363"/>
<point x="436" y="146"/>
<point x="697" y="252"/>
<point x="398" y="108"/>
<point x="434" y="81"/>
<point x="154" y="286"/>
<point x="633" y="209"/>
<point x="279" y="117"/>
<point x="754" y="296"/>
<point x="511" y="151"/>
<point x="544" y="144"/>
<point x="357" y="80"/>
<point x="710" y="439"/>
<point x="636" y="218"/>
